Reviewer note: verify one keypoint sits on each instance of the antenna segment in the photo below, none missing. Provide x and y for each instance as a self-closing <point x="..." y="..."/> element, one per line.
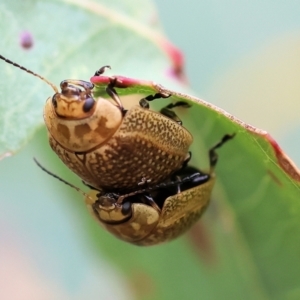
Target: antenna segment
<point x="30" y="72"/>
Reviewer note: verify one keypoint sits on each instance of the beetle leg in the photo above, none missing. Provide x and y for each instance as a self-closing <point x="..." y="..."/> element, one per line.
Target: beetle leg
<point x="146" y="198"/>
<point x="186" y="160"/>
<point x="166" y="111"/>
<point x="150" y="201"/>
<point x="178" y="185"/>
<point x="183" y="183"/>
<point x="213" y="156"/>
<point x="110" y="90"/>
<point x="144" y="101"/>
<point x="101" y="70"/>
<point x="196" y="178"/>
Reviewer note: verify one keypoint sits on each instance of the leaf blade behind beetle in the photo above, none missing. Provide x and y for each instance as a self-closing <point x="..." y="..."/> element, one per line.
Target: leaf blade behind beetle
<point x="91" y="34"/>
<point x="257" y="193"/>
<point x="252" y="223"/>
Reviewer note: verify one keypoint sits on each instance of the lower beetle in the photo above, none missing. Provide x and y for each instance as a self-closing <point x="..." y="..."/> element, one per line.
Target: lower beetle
<point x="155" y="214"/>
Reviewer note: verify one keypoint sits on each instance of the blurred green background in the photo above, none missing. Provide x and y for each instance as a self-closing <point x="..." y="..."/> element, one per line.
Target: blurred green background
<point x="242" y="56"/>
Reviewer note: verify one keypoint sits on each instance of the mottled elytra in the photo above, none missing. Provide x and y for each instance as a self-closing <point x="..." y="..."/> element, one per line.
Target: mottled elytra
<point x="154" y="214"/>
<point x="112" y="148"/>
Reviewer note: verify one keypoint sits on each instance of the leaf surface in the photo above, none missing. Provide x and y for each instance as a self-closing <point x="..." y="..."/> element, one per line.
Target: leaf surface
<point x="247" y="245"/>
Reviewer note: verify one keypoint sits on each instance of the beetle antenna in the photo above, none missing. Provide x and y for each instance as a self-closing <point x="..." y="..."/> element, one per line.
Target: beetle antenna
<point x="30" y="72"/>
<point x="62" y="180"/>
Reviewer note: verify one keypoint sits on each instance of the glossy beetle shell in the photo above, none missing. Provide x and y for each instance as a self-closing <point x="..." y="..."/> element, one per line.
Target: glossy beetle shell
<point x="148" y="227"/>
<point x="142" y="144"/>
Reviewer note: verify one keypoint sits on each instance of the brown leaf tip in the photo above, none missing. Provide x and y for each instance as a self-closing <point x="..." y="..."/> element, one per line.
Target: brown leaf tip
<point x="284" y="161"/>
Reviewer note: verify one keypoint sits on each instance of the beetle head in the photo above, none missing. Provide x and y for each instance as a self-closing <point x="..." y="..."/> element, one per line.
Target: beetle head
<point x="109" y="210"/>
<point x="75" y="100"/>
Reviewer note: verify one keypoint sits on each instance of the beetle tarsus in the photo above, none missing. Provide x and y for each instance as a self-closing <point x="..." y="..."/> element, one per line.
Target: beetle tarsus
<point x="213" y="156"/>
<point x="178" y="104"/>
<point x="157" y="96"/>
<point x="144" y="101"/>
<point x="101" y="70"/>
<point x="166" y="111"/>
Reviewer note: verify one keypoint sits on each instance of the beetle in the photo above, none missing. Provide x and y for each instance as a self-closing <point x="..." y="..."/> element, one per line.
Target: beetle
<point x="109" y="147"/>
<point x="154" y="214"/>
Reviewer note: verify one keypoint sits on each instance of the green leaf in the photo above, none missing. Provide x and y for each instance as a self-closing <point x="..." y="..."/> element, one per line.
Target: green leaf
<point x="248" y="243"/>
<point x="78" y="38"/>
<point x="257" y="199"/>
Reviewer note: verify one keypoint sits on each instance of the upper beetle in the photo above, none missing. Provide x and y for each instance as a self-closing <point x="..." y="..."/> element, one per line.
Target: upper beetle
<point x="109" y="147"/>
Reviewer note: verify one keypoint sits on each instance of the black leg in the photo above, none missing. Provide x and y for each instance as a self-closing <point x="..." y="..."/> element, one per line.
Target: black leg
<point x="110" y="90"/>
<point x="166" y="111"/>
<point x="101" y="70"/>
<point x="147" y="199"/>
<point x="144" y="101"/>
<point x="182" y="180"/>
<point x="213" y="156"/>
<point x="185" y="162"/>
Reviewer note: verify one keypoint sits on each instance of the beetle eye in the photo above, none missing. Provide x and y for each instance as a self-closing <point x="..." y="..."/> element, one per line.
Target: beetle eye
<point x="54" y="102"/>
<point x="88" y="104"/>
<point x="126" y="208"/>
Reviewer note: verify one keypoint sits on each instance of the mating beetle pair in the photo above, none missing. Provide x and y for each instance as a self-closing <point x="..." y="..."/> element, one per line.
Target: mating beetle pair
<point x="135" y="161"/>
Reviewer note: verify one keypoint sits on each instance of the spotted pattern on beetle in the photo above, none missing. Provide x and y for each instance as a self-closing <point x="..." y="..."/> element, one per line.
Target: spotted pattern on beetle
<point x="146" y="145"/>
<point x="170" y="135"/>
<point x="179" y="213"/>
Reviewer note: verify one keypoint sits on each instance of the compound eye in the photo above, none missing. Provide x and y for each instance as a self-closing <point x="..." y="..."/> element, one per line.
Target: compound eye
<point x="88" y="104"/>
<point x="54" y="101"/>
<point x="126" y="208"/>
